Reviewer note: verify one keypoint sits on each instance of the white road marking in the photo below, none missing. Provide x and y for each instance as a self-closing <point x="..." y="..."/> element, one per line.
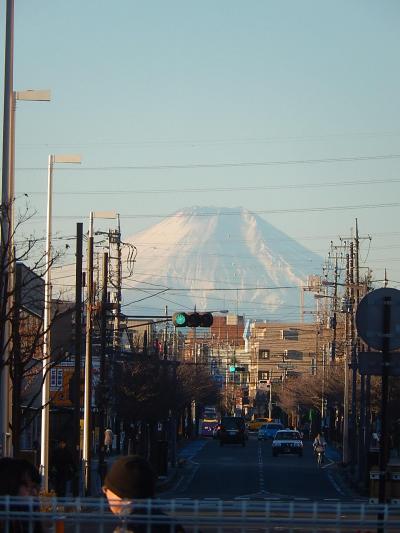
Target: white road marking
<point x="260" y="469"/>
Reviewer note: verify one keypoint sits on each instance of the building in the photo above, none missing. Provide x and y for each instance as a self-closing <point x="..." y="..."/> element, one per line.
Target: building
<point x="279" y="351"/>
<point x="26" y="356"/>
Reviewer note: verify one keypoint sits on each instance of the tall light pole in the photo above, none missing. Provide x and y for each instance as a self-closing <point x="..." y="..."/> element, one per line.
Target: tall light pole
<point x="44" y="437"/>
<point x="30" y="95"/>
<point x="5" y="225"/>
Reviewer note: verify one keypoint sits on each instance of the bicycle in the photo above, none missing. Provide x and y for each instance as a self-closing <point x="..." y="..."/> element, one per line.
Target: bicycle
<point x="320" y="452"/>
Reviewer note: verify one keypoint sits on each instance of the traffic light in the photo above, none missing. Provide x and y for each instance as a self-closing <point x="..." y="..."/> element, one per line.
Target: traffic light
<point x="192" y="320"/>
<point x="234" y="368"/>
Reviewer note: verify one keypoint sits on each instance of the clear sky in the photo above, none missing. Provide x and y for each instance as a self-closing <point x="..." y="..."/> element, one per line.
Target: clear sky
<point x="290" y="109"/>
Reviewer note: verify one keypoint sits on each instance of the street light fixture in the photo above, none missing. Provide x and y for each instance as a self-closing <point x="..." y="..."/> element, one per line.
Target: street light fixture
<point x="29" y="95"/>
<point x="44" y="448"/>
<point x="8" y="199"/>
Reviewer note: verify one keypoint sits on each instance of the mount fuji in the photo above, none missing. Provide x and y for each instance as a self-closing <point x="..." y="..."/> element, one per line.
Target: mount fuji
<point x="218" y="259"/>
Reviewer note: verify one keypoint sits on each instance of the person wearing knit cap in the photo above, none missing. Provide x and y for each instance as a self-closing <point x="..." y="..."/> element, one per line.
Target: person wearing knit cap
<point x="132" y="478"/>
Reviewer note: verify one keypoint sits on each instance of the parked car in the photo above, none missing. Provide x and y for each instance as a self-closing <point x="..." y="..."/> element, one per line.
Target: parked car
<point x="232" y="430"/>
<point x="254" y="425"/>
<point x="268" y="431"/>
<point x="287" y="441"/>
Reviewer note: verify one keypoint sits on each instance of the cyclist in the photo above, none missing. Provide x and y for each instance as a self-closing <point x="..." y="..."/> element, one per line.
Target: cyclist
<point x="319" y="446"/>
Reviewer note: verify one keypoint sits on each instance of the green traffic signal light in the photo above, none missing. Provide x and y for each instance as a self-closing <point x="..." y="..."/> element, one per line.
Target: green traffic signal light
<point x="192" y="320"/>
<point x="179" y="320"/>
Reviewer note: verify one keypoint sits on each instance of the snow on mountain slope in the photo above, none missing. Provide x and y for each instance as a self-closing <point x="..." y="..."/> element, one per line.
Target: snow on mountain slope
<point x="219" y="258"/>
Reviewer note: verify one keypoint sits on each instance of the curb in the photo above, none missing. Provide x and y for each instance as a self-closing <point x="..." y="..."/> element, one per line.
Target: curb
<point x="163" y="483"/>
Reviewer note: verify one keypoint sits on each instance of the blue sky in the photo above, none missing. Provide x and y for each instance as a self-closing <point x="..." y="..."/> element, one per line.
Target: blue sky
<point x="279" y="107"/>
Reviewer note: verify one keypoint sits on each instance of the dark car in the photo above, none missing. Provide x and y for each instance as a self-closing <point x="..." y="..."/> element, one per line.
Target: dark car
<point x="233" y="429"/>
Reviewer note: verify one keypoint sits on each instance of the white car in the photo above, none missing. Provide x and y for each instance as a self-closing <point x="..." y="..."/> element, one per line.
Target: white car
<point x="287" y="441"/>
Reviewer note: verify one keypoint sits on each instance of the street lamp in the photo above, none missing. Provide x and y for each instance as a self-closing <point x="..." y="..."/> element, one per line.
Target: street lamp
<point x="44" y="448"/>
<point x="8" y="200"/>
<point x="30" y="95"/>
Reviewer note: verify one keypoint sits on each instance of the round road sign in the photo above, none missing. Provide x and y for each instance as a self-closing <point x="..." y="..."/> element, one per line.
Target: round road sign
<point x="369" y="318"/>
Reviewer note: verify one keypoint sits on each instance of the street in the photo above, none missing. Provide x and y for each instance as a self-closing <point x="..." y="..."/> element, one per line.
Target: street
<point x="233" y="472"/>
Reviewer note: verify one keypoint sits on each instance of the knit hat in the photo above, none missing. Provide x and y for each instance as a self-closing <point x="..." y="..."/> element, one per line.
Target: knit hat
<point x="131" y="477"/>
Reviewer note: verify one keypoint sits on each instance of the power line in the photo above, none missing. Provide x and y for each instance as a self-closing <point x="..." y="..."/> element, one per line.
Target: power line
<point x="236" y="213"/>
<point x="238" y="140"/>
<point x="240" y="164"/>
<point x="197" y="190"/>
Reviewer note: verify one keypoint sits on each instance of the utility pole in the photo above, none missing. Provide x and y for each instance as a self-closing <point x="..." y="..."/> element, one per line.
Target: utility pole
<point x="115" y="247"/>
<point x="88" y="364"/>
<point x="353" y="419"/>
<point x="352" y="300"/>
<point x="102" y="384"/>
<point x="78" y="352"/>
<point x="194" y="406"/>
<point x="346" y="375"/>
<point x="116" y="240"/>
<point x="165" y="343"/>
<point x="334" y="318"/>
<point x="270" y="396"/>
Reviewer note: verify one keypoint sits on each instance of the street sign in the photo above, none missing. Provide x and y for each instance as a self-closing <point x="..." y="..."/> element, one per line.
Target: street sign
<point x="369" y="318"/>
<point x="285" y="366"/>
<point x="370" y="363"/>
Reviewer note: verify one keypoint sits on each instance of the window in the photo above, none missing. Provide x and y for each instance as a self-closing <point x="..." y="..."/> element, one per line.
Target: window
<point x="293" y="355"/>
<point x="264" y="354"/>
<point x="263" y="374"/>
<point x="290" y="334"/>
<point x="53" y="378"/>
<point x="56" y="378"/>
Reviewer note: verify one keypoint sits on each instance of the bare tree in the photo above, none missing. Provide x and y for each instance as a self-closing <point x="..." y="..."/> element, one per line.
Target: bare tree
<point x="22" y="268"/>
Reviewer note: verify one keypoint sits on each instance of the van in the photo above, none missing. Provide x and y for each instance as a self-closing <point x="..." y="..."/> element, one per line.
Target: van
<point x="232" y="430"/>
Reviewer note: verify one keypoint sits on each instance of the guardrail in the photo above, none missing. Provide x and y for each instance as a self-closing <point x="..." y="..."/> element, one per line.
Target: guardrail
<point x="86" y="515"/>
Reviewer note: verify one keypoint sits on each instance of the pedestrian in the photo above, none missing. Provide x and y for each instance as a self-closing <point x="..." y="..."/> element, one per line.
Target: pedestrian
<point x="63" y="467"/>
<point x="108" y="440"/>
<point x="129" y="479"/>
<point x="18" y="477"/>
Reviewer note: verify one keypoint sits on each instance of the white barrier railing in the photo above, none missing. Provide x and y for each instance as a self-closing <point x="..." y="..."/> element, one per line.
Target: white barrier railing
<point x="85" y="515"/>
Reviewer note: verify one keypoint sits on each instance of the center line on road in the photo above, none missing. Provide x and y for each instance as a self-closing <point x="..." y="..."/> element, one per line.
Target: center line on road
<point x="260" y="469"/>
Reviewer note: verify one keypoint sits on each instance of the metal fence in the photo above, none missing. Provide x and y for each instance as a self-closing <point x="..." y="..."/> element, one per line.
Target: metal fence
<point x="87" y="515"/>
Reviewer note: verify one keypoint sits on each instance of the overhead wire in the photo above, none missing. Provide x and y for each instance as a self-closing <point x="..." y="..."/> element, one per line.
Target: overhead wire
<point x="171" y="190"/>
<point x="239" y="164"/>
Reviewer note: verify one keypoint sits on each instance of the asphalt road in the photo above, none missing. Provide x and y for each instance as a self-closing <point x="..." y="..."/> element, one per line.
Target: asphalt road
<point x="233" y="472"/>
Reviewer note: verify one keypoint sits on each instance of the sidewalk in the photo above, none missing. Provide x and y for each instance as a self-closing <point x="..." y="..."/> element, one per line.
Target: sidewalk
<point x="333" y="453"/>
<point x="186" y="450"/>
<point x="343" y="474"/>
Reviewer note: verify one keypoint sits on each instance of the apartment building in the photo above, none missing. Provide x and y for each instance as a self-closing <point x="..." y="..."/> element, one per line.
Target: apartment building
<point x="279" y="351"/>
